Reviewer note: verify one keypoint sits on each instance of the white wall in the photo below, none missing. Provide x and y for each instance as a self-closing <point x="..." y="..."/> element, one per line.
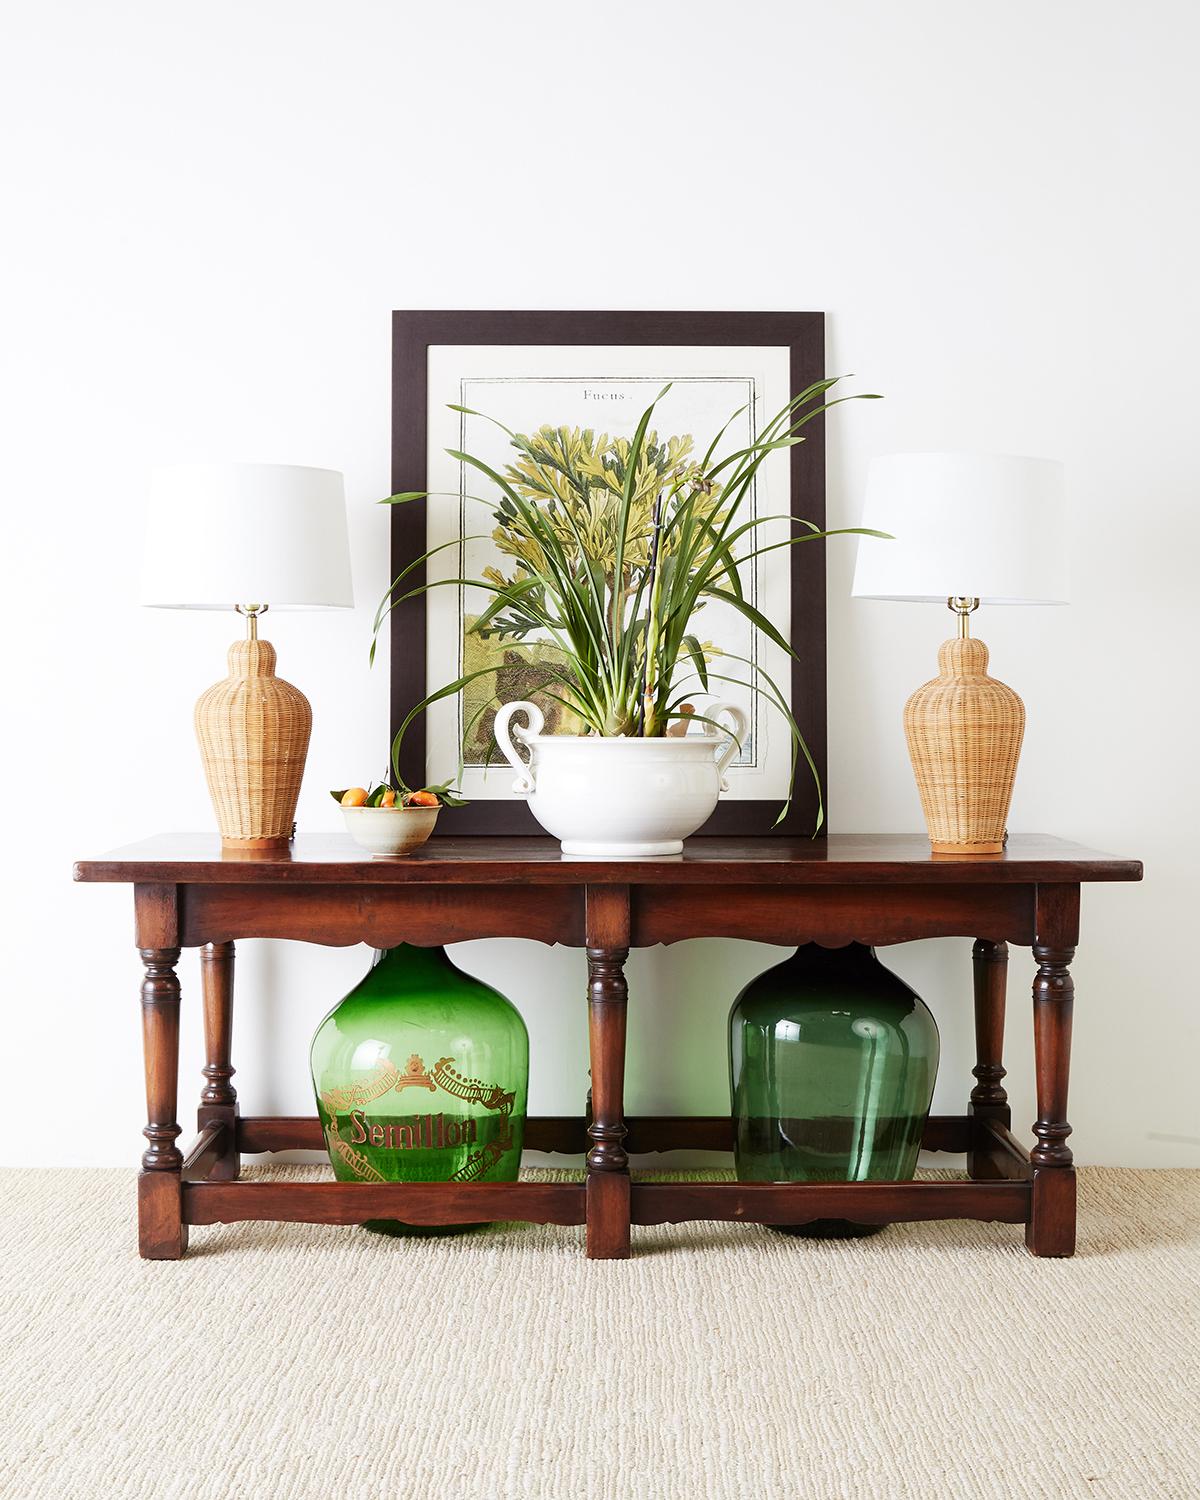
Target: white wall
<point x="209" y="212"/>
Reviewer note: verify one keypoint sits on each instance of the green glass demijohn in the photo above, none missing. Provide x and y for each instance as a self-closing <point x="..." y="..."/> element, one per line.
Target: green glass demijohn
<point x="832" y="1063"/>
<point x="421" y="1075"/>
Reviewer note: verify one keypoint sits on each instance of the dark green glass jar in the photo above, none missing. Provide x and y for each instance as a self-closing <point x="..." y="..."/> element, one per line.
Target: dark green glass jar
<point x="832" y="1062"/>
<point x="421" y="1075"/>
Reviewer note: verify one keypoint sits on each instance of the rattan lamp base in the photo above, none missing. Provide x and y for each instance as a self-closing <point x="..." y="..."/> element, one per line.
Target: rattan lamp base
<point x="964" y="732"/>
<point x="253" y="730"/>
<point x="992" y="847"/>
<point x="255" y="846"/>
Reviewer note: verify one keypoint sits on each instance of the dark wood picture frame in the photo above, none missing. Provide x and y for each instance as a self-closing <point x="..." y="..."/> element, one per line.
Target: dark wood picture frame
<point x="803" y="333"/>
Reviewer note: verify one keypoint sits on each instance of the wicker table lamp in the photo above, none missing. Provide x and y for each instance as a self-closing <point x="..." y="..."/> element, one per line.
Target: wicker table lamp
<point x="968" y="529"/>
<point x="249" y="537"/>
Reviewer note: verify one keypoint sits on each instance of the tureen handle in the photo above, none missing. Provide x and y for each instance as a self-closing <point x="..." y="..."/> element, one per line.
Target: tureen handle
<point x="506" y="733"/>
<point x="737" y="737"/>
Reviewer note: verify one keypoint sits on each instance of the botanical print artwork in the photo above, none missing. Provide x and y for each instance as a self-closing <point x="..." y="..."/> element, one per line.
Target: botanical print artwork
<point x="577" y="475"/>
<point x="561" y="441"/>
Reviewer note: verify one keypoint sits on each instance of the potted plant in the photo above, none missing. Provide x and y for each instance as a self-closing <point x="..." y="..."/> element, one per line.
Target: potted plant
<point x="616" y="546"/>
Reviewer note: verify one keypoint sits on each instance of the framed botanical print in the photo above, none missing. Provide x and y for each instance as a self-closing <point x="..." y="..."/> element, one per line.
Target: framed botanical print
<point x="572" y="387"/>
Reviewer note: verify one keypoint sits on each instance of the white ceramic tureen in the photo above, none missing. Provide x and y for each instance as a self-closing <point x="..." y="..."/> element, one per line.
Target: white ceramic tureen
<point x="622" y="797"/>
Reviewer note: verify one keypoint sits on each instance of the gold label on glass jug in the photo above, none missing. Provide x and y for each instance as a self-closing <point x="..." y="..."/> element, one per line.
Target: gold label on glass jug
<point x="419" y="1131"/>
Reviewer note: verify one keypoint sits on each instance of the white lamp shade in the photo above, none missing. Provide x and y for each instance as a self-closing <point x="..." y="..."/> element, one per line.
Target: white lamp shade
<point x="218" y="535"/>
<point x="985" y="526"/>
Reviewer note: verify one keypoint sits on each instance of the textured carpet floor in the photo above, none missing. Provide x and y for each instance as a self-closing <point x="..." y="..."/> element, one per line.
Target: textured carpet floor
<point x="281" y="1362"/>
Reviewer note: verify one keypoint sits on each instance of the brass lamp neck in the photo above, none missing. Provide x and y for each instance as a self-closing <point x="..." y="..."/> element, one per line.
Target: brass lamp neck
<point x="964" y="607"/>
<point x="252" y="612"/>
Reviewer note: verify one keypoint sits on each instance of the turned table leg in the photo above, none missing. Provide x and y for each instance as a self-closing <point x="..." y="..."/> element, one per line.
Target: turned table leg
<point x="608" y="1197"/>
<point x="218" y="1098"/>
<point x="607" y="1162"/>
<point x="988" y="1101"/>
<point x="162" y="1234"/>
<point x="1051" y="1227"/>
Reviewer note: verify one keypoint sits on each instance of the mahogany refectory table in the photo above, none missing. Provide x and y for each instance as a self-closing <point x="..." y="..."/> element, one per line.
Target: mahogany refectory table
<point x="877" y="890"/>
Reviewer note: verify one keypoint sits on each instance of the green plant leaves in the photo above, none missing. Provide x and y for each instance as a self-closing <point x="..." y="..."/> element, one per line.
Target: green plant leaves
<point x="613" y="547"/>
<point x="696" y="652"/>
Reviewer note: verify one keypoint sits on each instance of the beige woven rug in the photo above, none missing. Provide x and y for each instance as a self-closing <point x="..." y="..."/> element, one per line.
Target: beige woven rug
<point x="285" y="1361"/>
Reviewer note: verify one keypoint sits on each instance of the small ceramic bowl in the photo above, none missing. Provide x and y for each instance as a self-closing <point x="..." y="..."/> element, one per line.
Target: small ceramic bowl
<point x="390" y="830"/>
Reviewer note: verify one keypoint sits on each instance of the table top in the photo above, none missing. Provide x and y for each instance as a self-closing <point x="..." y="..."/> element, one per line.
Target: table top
<point x="840" y="859"/>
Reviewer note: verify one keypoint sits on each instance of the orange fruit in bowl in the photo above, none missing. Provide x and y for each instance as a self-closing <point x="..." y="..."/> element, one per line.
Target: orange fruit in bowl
<point x="388" y="799"/>
<point x="354" y="796"/>
<point x="423" y="799"/>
